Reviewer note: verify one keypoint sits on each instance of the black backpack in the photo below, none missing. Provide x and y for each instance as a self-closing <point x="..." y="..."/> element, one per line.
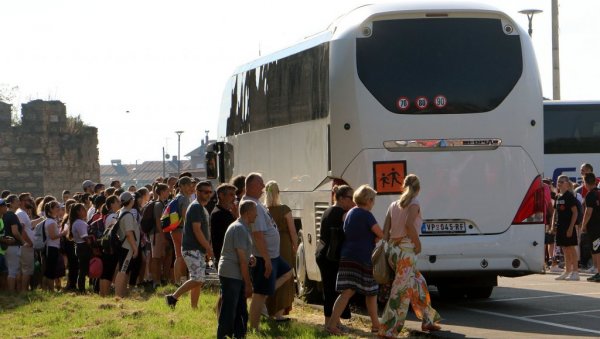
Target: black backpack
<point x="96" y="228"/>
<point x="109" y="242"/>
<point x="148" y="222"/>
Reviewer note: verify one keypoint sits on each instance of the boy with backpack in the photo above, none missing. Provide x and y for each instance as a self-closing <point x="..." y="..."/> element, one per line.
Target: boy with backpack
<point x="129" y="236"/>
<point x="151" y="225"/>
<point x="173" y="220"/>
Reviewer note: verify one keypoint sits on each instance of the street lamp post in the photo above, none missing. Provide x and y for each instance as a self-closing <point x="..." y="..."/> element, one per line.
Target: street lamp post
<point x="530" y="13"/>
<point x="163" y="160"/>
<point x="179" y="151"/>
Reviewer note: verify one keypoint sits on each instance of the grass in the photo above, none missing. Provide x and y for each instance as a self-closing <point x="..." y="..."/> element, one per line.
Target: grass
<point x="67" y="315"/>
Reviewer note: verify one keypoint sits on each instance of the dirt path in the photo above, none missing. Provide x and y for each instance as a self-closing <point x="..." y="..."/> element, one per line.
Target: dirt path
<point x="359" y="325"/>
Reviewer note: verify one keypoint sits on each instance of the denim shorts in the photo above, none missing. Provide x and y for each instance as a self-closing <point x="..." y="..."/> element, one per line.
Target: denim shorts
<point x="262" y="285"/>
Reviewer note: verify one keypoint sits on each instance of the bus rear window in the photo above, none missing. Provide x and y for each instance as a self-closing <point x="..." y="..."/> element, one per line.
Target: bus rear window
<point x="439" y="66"/>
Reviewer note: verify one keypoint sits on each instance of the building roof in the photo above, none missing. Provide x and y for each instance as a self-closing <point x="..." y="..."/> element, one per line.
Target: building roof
<point x="142" y="174"/>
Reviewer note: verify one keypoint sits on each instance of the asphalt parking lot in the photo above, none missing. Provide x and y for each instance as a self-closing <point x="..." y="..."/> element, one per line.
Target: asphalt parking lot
<point x="535" y="306"/>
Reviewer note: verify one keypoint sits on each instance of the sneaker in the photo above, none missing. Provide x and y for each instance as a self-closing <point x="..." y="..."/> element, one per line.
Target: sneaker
<point x="594" y="278"/>
<point x="562" y="276"/>
<point x="574" y="276"/>
<point x="171" y="300"/>
<point x="591" y="270"/>
<point x="555" y="269"/>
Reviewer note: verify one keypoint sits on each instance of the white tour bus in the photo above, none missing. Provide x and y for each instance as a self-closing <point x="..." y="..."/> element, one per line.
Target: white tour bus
<point x="448" y="92"/>
<point x="571" y="137"/>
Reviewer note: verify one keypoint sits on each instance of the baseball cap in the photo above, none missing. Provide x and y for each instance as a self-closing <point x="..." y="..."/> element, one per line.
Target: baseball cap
<point x="125" y="197"/>
<point x="87" y="183"/>
<point x="3" y="202"/>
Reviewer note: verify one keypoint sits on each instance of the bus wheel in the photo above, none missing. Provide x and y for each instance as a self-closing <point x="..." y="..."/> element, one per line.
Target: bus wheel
<point x="306" y="289"/>
<point x="480" y="292"/>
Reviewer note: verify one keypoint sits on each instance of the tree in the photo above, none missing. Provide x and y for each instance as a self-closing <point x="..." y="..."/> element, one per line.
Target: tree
<point x="8" y="94"/>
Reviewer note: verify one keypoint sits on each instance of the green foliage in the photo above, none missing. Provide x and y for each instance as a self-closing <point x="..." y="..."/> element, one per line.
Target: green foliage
<point x="75" y="125"/>
<point x="7" y="95"/>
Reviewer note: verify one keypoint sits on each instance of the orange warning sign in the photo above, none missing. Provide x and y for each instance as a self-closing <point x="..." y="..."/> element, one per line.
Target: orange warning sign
<point x="388" y="176"/>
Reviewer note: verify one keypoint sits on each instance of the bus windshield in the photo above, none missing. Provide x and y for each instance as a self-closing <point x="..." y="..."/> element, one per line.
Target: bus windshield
<point x="458" y="65"/>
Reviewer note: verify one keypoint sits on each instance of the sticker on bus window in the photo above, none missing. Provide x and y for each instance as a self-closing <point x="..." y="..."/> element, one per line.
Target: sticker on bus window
<point x="388" y="176"/>
<point x="440" y="101"/>
<point x="403" y="103"/>
<point x="422" y="102"/>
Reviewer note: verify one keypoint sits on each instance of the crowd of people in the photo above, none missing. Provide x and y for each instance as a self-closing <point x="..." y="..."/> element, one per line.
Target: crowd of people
<point x="573" y="225"/>
<point x="106" y="238"/>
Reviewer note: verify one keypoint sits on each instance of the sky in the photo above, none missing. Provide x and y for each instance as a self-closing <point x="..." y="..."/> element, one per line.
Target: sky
<point x="145" y="69"/>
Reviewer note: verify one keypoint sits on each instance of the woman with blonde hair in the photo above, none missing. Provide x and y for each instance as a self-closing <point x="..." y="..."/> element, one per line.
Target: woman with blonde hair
<point x="280" y="303"/>
<point x="563" y="221"/>
<point x="409" y="287"/>
<point x="355" y="274"/>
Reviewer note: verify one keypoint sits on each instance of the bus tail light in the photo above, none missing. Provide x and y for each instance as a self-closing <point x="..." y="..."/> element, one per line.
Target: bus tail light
<point x="532" y="209"/>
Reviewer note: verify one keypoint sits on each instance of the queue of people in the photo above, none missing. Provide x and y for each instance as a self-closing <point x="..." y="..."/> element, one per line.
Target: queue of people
<point x="573" y="225"/>
<point x="251" y="243"/>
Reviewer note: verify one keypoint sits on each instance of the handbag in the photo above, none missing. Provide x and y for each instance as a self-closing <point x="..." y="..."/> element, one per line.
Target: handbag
<point x="382" y="272"/>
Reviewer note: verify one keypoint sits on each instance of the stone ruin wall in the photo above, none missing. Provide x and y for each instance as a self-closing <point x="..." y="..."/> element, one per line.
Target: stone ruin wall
<point x="47" y="153"/>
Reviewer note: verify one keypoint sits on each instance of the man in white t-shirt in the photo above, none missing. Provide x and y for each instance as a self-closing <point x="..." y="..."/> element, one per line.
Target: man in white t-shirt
<point x="27" y="252"/>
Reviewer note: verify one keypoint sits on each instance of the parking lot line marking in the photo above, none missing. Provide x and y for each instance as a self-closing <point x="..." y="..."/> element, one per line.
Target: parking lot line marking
<point x="562" y="313"/>
<point x="539" y="297"/>
<point x="547" y="323"/>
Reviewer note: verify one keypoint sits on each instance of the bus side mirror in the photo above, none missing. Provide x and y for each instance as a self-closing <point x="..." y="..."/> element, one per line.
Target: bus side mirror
<point x="211" y="165"/>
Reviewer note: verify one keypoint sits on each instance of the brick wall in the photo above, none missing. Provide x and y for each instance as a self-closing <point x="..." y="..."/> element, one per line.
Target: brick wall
<point x="48" y="152"/>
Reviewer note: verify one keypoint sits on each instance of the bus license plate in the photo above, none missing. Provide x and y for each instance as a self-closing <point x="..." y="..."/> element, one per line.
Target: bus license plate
<point x="443" y="227"/>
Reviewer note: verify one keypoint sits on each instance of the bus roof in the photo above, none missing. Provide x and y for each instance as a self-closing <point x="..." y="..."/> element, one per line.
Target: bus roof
<point x="348" y="23"/>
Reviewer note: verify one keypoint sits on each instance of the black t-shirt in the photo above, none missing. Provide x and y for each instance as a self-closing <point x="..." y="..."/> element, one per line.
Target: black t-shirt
<point x="592" y="200"/>
<point x="9" y="219"/>
<point x="563" y="205"/>
<point x="220" y="219"/>
<point x="332" y="217"/>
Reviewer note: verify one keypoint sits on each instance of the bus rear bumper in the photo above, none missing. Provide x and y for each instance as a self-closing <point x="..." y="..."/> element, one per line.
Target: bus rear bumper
<point x="516" y="252"/>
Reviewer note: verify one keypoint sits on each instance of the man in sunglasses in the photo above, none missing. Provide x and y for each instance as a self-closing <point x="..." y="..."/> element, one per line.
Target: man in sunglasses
<point x="196" y="247"/>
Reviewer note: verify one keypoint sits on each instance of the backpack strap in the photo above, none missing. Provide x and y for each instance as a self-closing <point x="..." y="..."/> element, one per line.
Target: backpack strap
<point x="119" y="223"/>
<point x="44" y="237"/>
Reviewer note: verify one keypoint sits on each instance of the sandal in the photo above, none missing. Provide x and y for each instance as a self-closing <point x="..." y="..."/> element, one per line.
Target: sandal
<point x="431" y="327"/>
<point x="374" y="329"/>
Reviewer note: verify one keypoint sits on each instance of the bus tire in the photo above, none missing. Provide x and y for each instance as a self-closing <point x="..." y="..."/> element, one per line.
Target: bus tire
<point x="306" y="289"/>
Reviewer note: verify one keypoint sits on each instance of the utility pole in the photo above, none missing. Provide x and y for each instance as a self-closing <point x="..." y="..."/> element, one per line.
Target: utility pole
<point x="555" y="53"/>
<point x="179" y="151"/>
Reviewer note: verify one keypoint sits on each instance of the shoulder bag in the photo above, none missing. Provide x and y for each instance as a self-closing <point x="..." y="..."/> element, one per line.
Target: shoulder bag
<point x="382" y="272"/>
